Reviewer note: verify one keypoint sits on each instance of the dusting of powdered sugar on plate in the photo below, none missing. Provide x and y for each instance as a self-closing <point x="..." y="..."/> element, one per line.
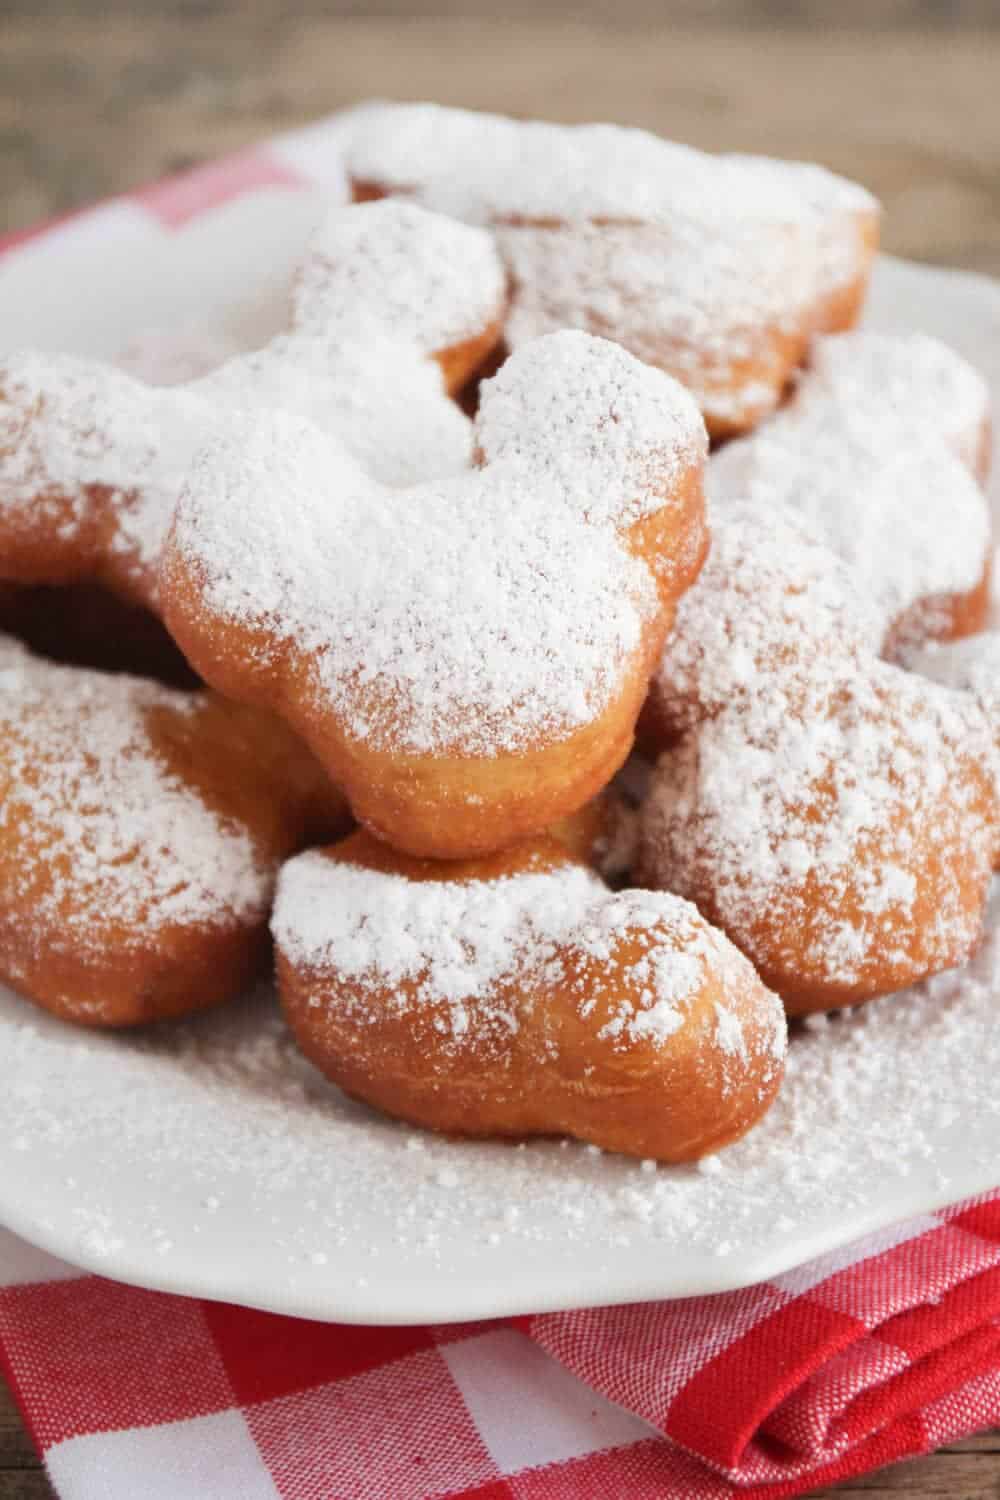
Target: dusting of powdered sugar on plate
<point x="211" y="1158"/>
<point x="246" y="1177"/>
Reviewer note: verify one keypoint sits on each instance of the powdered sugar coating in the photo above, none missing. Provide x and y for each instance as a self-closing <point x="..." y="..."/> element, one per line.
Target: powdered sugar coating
<point x="971" y="665"/>
<point x="105" y="830"/>
<point x="387" y="407"/>
<point x="104" y="455"/>
<point x="918" y="385"/>
<point x="162" y="356"/>
<point x="382" y="288"/>
<point x="816" y="813"/>
<point x="471" y="614"/>
<point x="487" y="168"/>
<point x="97" y="450"/>
<point x="814" y="787"/>
<point x="392" y="267"/>
<point x="483" y="952"/>
<point x="617" y="446"/>
<point x="690" y="260"/>
<point x="771" y="600"/>
<point x="877" y="452"/>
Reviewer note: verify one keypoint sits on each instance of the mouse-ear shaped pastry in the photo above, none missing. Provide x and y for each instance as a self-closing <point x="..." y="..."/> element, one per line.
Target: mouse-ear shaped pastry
<point x="881" y="451"/>
<point x="467" y="657"/>
<point x="393" y="308"/>
<point x="611" y="437"/>
<point x="393" y="269"/>
<point x="717" y="269"/>
<point x="836" y="816"/>
<point x="141" y="831"/>
<point x="92" y="459"/>
<point x="516" y="995"/>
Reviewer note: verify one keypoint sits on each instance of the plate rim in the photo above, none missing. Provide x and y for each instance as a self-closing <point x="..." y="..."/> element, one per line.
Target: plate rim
<point x="393" y="1303"/>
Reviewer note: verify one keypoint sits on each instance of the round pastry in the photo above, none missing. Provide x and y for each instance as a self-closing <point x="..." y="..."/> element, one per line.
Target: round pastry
<point x="141" y="831"/>
<point x="390" y="301"/>
<point x="836" y="816"/>
<point x="882" y="451"/>
<point x="717" y="269"/>
<point x="516" y="995"/>
<point x="466" y="658"/>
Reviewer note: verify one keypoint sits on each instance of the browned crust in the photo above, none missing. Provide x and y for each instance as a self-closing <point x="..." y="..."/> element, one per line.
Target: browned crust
<point x="450" y="806"/>
<point x="780" y="348"/>
<point x="254" y="775"/>
<point x="461" y="362"/>
<point x="556" y="1074"/>
<point x="942" y="617"/>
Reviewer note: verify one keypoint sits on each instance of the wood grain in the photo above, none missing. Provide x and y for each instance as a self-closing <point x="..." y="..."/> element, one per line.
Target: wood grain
<point x="20" y="1474"/>
<point x="902" y="94"/>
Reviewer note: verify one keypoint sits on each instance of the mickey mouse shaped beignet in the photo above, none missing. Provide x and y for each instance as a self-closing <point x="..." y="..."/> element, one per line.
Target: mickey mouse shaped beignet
<point x="517" y="995"/>
<point x="467" y="658"/>
<point x="717" y="269"/>
<point x="141" y="830"/>
<point x="835" y="815"/>
<point x="394" y="307"/>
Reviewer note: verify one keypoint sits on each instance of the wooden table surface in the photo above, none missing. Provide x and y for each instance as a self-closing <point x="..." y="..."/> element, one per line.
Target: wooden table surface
<point x="902" y="94"/>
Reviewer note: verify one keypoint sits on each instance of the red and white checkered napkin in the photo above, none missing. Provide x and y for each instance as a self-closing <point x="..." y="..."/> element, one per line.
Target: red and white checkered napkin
<point x="886" y="1349"/>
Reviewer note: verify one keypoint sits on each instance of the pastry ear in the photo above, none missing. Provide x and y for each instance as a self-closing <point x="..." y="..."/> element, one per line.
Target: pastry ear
<point x="57" y="418"/>
<point x="397" y="269"/>
<point x="611" y="432"/>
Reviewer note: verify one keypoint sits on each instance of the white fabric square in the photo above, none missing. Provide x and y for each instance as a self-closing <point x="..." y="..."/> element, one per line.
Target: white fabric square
<point x="205" y="1458"/>
<point x="529" y="1410"/>
<point x="21" y="1263"/>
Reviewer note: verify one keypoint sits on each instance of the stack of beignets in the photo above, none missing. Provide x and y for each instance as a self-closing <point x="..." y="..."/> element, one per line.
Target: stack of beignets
<point x="718" y="269"/>
<point x="446" y="628"/>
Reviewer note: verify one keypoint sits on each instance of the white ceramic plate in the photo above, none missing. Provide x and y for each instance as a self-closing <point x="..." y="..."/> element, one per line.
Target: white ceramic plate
<point x="209" y="1159"/>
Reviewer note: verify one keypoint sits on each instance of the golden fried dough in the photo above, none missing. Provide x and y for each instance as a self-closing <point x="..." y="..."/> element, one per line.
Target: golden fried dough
<point x="717" y="269"/>
<point x="883" y="451"/>
<point x="835" y="815"/>
<point x="141" y="830"/>
<point x="393" y="308"/>
<point x="466" y="658"/>
<point x="516" y="995"/>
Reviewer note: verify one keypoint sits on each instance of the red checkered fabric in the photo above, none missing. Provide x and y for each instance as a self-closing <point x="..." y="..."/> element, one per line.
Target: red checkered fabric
<point x="888" y="1348"/>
